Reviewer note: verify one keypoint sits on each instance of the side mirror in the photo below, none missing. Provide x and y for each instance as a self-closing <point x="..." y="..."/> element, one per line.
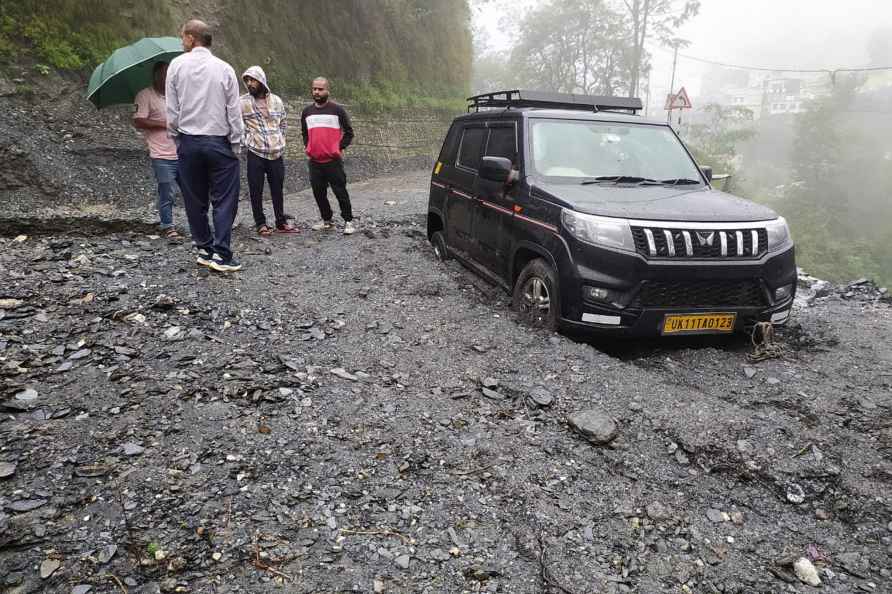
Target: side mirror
<point x="495" y="169"/>
<point x="707" y="172"/>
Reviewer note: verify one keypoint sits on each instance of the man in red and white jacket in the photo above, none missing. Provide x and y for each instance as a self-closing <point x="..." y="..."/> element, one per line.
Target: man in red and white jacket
<point x="327" y="131"/>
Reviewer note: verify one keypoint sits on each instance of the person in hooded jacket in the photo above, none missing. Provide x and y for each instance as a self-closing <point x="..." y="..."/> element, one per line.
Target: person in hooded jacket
<point x="264" y="116"/>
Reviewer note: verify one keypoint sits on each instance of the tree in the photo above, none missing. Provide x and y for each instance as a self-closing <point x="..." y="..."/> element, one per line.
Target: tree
<point x="714" y="140"/>
<point x="572" y="46"/>
<point x="838" y="205"/>
<point x="654" y="17"/>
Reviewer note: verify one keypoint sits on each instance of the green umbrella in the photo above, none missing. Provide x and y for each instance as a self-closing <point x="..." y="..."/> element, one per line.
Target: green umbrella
<point x="129" y="70"/>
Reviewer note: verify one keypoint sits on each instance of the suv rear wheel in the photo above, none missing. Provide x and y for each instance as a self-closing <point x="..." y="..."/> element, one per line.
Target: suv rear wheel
<point x="535" y="295"/>
<point x="439" y="244"/>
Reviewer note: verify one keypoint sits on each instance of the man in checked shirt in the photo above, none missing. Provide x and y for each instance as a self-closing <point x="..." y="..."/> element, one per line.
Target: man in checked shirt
<point x="264" y="115"/>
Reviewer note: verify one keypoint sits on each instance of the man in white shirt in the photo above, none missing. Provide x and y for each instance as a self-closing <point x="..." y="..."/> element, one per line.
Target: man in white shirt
<point x="204" y="119"/>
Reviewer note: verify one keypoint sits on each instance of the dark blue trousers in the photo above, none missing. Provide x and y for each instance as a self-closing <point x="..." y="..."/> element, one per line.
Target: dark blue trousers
<point x="209" y="175"/>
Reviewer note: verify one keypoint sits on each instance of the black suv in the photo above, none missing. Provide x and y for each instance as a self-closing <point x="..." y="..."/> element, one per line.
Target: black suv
<point x="595" y="218"/>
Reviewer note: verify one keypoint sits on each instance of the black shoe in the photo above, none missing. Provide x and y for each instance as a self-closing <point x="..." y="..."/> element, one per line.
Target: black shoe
<point x="221" y="265"/>
<point x="205" y="257"/>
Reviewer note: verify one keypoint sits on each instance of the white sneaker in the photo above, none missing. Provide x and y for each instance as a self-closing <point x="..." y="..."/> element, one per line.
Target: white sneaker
<point x="349" y="228"/>
<point x="322" y="226"/>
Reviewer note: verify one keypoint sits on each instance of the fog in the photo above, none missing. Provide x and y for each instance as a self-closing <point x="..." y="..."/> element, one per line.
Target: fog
<point x="816" y="147"/>
<point x="782" y="34"/>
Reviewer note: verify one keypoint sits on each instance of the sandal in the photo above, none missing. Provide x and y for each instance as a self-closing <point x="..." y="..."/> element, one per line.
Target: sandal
<point x="264" y="230"/>
<point x="171" y="234"/>
<point x="287" y="228"/>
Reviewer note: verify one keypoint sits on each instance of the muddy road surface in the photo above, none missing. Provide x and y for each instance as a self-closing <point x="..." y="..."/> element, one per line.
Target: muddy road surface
<point x="347" y="414"/>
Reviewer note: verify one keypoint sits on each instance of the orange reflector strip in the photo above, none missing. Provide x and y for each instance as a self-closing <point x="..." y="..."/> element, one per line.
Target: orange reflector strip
<point x="518" y="208"/>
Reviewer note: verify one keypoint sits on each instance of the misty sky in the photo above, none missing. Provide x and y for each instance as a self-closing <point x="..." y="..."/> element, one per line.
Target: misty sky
<point x="772" y="33"/>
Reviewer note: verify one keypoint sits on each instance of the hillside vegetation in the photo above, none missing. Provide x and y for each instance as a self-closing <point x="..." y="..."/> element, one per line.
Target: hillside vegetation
<point x="382" y="54"/>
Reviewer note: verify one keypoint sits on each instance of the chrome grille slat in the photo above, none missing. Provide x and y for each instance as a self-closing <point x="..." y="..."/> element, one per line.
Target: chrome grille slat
<point x="670" y="242"/>
<point x="688" y="246"/>
<point x="739" y="236"/>
<point x="650" y="242"/>
<point x="755" y="235"/>
<point x="723" y="238"/>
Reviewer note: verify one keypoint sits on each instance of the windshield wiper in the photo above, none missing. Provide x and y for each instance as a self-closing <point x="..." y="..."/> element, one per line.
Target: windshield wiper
<point x="681" y="181"/>
<point x="621" y="179"/>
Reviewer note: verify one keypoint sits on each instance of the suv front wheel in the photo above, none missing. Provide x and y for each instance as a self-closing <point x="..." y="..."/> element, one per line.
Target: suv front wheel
<point x="535" y="295"/>
<point x="439" y="244"/>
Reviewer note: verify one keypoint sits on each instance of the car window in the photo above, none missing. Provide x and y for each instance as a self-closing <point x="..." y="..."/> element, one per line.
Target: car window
<point x="583" y="149"/>
<point x="502" y="143"/>
<point x="450" y="145"/>
<point x="471" y="146"/>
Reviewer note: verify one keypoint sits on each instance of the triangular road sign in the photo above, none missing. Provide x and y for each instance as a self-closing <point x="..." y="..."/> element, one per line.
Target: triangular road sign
<point x="681" y="100"/>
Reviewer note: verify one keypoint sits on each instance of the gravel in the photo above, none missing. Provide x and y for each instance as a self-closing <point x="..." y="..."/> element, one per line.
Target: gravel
<point x="320" y="424"/>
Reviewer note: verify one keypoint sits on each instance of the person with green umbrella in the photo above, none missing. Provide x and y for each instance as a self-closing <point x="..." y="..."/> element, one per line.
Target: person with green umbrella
<point x="150" y="118"/>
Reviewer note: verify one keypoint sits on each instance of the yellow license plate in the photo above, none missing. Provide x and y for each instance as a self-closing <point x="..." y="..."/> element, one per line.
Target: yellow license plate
<point x="699" y="323"/>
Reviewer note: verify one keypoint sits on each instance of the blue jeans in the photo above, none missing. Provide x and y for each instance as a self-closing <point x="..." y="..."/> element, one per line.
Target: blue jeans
<point x="166" y="173"/>
<point x="209" y="176"/>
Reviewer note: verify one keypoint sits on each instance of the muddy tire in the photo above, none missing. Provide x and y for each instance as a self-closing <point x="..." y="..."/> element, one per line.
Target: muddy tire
<point x="536" y="297"/>
<point x="439" y="244"/>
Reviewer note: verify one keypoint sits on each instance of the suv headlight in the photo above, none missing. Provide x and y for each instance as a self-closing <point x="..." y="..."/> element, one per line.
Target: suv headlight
<point x="778" y="234"/>
<point x="605" y="231"/>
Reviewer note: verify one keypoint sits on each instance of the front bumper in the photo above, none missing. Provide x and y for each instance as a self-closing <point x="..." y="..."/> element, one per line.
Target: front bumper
<point x="647" y="291"/>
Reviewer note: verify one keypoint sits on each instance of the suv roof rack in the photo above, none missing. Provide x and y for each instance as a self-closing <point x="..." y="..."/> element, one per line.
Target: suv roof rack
<point x="519" y="98"/>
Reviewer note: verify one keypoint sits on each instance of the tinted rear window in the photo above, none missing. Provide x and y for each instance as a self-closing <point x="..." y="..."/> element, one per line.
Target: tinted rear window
<point x="450" y="145"/>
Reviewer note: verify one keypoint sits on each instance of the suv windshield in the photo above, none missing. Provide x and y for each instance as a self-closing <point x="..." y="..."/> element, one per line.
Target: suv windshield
<point x="608" y="152"/>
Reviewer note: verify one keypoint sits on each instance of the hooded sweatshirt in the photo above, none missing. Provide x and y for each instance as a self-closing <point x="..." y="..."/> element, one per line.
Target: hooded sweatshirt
<point x="264" y="124"/>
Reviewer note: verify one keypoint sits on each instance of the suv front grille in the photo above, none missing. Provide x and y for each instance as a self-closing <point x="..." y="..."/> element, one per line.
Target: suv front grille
<point x="701" y="294"/>
<point x="669" y="243"/>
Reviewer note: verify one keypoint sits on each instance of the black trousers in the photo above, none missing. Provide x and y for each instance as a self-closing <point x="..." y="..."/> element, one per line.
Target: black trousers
<point x="323" y="175"/>
<point x="260" y="170"/>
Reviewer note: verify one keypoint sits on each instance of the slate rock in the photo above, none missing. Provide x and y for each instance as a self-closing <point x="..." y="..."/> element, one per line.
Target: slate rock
<point x="541" y="397"/>
<point x="595" y="425"/>
<point x="657" y="511"/>
<point x="491" y="394"/>
<point x="106" y="553"/>
<point x="27" y="395"/>
<point x="343" y="374"/>
<point x="80" y="354"/>
<point x="81" y="589"/>
<point x="133" y="449"/>
<point x="7" y="469"/>
<point x="403" y="561"/>
<point x="49" y="567"/>
<point x="439" y="555"/>
<point x="715" y="515"/>
<point x="26" y="505"/>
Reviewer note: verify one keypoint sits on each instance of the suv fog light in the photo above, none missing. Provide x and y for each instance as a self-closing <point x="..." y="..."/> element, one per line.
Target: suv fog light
<point x="595" y="293"/>
<point x="783" y="293"/>
<point x="613" y="298"/>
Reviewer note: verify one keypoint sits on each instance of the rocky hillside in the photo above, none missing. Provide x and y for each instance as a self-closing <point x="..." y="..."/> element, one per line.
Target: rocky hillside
<point x="384" y="51"/>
